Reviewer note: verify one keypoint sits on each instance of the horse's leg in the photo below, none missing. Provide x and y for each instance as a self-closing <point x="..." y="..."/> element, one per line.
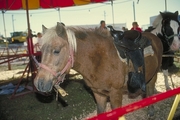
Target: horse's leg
<point x="166" y="63"/>
<point x="165" y="73"/>
<point x="116" y="98"/>
<point x="149" y="92"/>
<point x="101" y="102"/>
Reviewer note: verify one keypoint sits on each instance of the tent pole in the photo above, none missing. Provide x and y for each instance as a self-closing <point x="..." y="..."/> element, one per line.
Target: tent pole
<point x="59" y="14"/>
<point x="30" y="45"/>
<point x="29" y="38"/>
<point x="134" y="12"/>
<point x="9" y="65"/>
<point x="4" y="23"/>
<point x="27" y="15"/>
<point x="112" y="11"/>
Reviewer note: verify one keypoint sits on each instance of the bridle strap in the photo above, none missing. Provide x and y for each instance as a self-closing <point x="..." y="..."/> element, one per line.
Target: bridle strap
<point x="163" y="31"/>
<point x="47" y="68"/>
<point x="169" y="37"/>
<point x="44" y="67"/>
<point x="58" y="75"/>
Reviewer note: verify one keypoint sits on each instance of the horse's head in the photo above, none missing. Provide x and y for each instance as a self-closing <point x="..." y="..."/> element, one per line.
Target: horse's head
<point x="167" y="28"/>
<point x="57" y="57"/>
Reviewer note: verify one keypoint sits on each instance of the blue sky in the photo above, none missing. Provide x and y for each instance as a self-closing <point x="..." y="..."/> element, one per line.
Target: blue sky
<point x="88" y="14"/>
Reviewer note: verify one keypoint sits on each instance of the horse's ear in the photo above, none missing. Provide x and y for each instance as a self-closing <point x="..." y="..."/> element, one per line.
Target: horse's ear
<point x="161" y="13"/>
<point x="44" y="29"/>
<point x="60" y="30"/>
<point x="176" y="13"/>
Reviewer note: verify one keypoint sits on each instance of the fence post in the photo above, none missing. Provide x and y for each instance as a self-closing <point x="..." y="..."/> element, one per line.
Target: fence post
<point x="174" y="107"/>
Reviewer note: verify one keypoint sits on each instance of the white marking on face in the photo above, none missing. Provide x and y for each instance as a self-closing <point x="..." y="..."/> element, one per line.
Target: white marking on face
<point x="176" y="42"/>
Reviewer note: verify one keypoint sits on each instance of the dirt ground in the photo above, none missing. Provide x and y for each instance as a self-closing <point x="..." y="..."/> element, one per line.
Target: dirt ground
<point x="78" y="105"/>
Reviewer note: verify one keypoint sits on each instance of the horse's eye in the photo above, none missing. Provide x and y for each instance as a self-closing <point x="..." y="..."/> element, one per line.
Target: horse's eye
<point x="56" y="51"/>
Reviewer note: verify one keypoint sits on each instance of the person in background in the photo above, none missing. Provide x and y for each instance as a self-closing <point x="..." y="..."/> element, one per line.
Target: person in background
<point x="38" y="46"/>
<point x="39" y="40"/>
<point x="102" y="29"/>
<point x="124" y="29"/>
<point x="103" y="25"/>
<point x="31" y="34"/>
<point x="135" y="26"/>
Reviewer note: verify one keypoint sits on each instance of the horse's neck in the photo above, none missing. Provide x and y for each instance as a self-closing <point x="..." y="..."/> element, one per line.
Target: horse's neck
<point x="157" y="30"/>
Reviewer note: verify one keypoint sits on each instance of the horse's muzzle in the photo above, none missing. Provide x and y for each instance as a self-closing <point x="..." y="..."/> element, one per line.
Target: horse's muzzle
<point x="43" y="86"/>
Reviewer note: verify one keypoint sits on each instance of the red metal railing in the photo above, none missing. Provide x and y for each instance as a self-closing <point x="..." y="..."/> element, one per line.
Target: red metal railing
<point x="8" y="54"/>
<point x="116" y="113"/>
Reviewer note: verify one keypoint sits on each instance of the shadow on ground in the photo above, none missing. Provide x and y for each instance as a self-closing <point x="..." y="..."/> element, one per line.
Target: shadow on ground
<point x="34" y="106"/>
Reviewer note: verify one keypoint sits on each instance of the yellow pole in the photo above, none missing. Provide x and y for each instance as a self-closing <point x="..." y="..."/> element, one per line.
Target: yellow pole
<point x="174" y="107"/>
<point x="122" y="118"/>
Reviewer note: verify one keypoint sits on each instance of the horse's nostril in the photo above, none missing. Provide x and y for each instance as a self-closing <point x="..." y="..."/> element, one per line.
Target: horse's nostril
<point x="44" y="86"/>
<point x="40" y="84"/>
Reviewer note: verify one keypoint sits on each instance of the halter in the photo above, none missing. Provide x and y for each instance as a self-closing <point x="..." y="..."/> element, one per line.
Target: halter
<point x="167" y="38"/>
<point x="59" y="75"/>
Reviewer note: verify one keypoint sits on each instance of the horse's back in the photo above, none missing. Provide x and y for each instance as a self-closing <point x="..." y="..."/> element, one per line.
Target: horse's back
<point x="155" y="41"/>
<point x="153" y="61"/>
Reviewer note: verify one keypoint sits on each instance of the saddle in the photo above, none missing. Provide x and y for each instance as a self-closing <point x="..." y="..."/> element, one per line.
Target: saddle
<point x="131" y="46"/>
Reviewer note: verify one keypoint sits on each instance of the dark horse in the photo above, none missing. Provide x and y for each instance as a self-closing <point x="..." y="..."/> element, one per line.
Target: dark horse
<point x="166" y="26"/>
<point x="92" y="53"/>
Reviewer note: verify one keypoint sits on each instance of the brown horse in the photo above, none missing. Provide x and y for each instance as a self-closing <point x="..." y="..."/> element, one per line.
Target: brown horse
<point x="92" y="53"/>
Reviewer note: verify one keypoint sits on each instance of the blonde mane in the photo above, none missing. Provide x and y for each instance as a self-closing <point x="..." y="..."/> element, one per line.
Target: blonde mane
<point x="71" y="39"/>
<point x="51" y="34"/>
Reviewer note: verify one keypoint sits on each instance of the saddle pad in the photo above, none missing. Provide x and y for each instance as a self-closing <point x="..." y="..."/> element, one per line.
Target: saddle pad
<point x="148" y="51"/>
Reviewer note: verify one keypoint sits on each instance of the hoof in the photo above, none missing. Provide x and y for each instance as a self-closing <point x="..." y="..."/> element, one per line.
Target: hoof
<point x="151" y="117"/>
<point x="150" y="113"/>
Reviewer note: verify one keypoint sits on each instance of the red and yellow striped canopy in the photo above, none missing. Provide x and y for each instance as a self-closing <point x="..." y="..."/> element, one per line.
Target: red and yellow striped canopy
<point x="35" y="4"/>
